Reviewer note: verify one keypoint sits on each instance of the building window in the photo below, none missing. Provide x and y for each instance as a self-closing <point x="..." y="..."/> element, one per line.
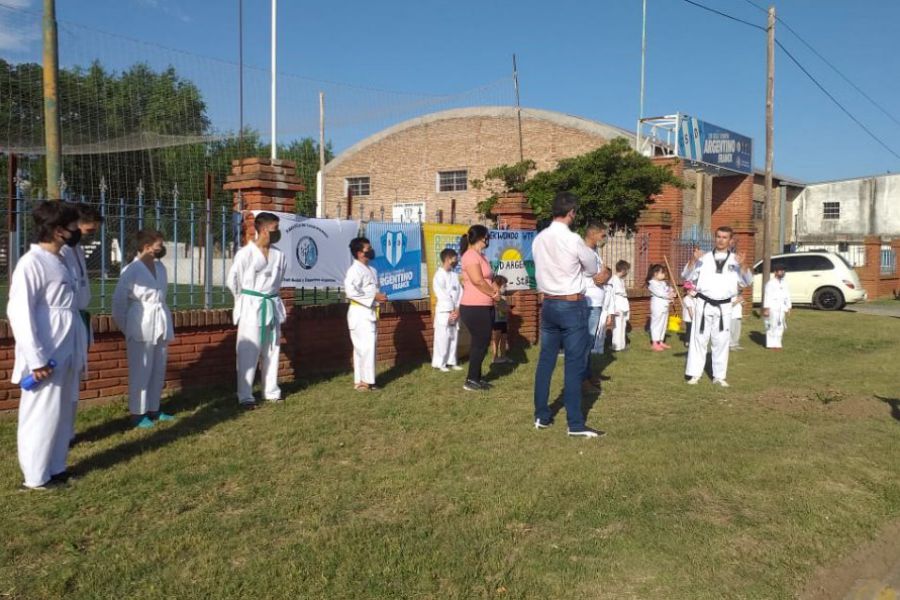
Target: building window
<point x="453" y="181"/>
<point x="757" y="210"/>
<point x="831" y="210"/>
<point x="358" y="186"/>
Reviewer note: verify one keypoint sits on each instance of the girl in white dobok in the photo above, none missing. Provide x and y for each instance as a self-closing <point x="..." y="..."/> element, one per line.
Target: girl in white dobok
<point x="139" y="309"/>
<point x="50" y="343"/>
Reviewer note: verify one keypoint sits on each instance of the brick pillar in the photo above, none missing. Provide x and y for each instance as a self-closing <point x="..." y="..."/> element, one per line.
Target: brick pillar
<point x="264" y="184"/>
<point x="732" y="206"/>
<point x="870" y="273"/>
<point x="658" y="227"/>
<point x="671" y="199"/>
<point x="512" y="211"/>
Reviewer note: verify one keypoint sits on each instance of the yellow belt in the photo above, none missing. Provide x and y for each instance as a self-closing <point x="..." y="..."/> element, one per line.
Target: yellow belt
<point x="377" y="309"/>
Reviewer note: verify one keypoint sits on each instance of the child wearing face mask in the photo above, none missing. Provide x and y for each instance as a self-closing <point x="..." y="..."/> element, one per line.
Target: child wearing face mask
<point x="50" y="346"/>
<point x="447" y="292"/>
<point x="139" y="309"/>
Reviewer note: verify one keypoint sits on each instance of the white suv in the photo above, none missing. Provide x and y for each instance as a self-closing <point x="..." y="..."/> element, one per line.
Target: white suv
<point x="823" y="279"/>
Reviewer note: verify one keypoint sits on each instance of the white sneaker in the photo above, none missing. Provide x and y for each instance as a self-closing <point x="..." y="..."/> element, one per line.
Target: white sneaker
<point x="456" y="368"/>
<point x="693" y="381"/>
<point x="721" y="382"/>
<point x="442" y="369"/>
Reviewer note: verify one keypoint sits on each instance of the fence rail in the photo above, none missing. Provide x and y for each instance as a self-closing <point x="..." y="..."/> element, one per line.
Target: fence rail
<point x="888" y="261"/>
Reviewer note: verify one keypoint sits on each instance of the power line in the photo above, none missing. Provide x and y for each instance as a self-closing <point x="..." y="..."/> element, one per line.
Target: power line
<point x="801" y="67"/>
<point x="840" y="73"/>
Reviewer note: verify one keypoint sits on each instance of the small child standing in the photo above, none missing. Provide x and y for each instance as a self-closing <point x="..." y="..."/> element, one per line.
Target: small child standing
<point x="447" y="291"/>
<point x="660" y="297"/>
<point x="500" y="339"/>
<point x="621" y="306"/>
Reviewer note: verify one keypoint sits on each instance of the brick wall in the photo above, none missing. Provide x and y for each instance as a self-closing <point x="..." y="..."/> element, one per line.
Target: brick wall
<point x="873" y="281"/>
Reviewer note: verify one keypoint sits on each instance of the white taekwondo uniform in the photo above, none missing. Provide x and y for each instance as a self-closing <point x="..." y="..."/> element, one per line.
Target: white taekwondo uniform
<point x="778" y="301"/>
<point x="360" y="288"/>
<point x="44" y="318"/>
<point x="77" y="265"/>
<point x="622" y="311"/>
<point x="716" y="284"/>
<point x="139" y="309"/>
<point x="447" y="291"/>
<point x="659" y="309"/>
<point x="255" y="283"/>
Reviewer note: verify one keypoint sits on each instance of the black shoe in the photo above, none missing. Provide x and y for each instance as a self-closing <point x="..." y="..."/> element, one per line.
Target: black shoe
<point x="472" y="386"/>
<point x="539" y="424"/>
<point x="64" y="477"/>
<point x="485" y="384"/>
<point x="247" y="405"/>
<point x="587" y="432"/>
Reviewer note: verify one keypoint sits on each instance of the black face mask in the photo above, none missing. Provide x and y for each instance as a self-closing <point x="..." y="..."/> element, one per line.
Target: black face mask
<point x="370" y="254"/>
<point x="274" y="236"/>
<point x="74" y="238"/>
<point x="487" y="244"/>
<point x="158" y="254"/>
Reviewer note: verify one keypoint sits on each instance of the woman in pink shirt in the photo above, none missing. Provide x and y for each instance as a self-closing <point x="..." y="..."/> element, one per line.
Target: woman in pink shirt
<point x="476" y="308"/>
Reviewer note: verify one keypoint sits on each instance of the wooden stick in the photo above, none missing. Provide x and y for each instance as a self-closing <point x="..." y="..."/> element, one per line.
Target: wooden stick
<point x="677" y="293"/>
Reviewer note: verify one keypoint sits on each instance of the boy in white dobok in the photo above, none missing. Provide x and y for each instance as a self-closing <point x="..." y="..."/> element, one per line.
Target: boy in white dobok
<point x="776" y="308"/>
<point x="447" y="292"/>
<point x="139" y="309"/>
<point x="364" y="296"/>
<point x="44" y="318"/>
<point x="620" y="305"/>
<point x="89" y="220"/>
<point x="255" y="281"/>
<point x="716" y="277"/>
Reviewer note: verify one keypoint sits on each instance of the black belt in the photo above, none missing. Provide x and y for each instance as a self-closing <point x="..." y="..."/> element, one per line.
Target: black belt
<point x="717" y="303"/>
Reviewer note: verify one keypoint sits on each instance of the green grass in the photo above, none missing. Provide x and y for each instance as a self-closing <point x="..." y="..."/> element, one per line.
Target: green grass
<point x="421" y="491"/>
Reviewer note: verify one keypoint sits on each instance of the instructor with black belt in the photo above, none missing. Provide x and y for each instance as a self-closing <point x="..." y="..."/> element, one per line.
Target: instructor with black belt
<point x="561" y="260"/>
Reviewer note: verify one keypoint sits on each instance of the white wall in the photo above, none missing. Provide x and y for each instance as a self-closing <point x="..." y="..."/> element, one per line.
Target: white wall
<point x="869" y="206"/>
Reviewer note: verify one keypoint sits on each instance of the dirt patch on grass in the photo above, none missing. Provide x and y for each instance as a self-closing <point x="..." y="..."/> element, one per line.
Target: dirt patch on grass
<point x="876" y="560"/>
<point x="823" y="401"/>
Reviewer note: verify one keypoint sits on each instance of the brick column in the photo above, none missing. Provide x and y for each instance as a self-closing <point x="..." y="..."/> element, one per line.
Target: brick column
<point x="512" y="211"/>
<point x="264" y="184"/>
<point x="870" y="273"/>
<point x="671" y="199"/>
<point x="658" y="226"/>
<point x="732" y="206"/>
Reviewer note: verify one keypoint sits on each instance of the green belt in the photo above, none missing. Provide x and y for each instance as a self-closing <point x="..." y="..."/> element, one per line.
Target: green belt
<point x="263" y="312"/>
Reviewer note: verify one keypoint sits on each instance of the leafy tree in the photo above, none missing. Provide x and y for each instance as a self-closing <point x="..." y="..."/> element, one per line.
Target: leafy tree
<point x="503" y="179"/>
<point x="614" y="182"/>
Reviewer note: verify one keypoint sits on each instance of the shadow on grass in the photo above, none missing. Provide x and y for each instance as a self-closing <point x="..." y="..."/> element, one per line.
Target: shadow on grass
<point x="758" y="338"/>
<point x="894" y="403"/>
<point x="216" y="408"/>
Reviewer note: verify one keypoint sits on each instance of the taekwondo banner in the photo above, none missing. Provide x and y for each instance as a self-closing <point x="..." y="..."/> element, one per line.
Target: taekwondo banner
<point x="510" y="255"/>
<point x="437" y="237"/>
<point x="398" y="258"/>
<point x="317" y="250"/>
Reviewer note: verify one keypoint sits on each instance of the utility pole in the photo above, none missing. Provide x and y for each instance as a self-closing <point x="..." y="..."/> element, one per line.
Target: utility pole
<point x="320" y="188"/>
<point x="52" y="138"/>
<point x="518" y="109"/>
<point x="643" y="69"/>
<point x="274" y="151"/>
<point x="241" y="78"/>
<point x="770" y="150"/>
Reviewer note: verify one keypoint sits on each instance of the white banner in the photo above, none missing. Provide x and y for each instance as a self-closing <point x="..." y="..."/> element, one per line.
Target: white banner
<point x="317" y="250"/>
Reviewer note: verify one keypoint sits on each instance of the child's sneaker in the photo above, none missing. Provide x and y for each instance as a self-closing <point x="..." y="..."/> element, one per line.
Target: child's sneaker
<point x="657" y="347"/>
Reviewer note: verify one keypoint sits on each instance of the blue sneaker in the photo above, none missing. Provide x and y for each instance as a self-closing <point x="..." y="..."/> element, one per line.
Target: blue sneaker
<point x="165" y="417"/>
<point x="145" y="422"/>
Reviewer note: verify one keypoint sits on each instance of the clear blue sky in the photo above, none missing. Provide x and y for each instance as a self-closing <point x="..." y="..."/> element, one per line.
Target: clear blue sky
<point x="576" y="57"/>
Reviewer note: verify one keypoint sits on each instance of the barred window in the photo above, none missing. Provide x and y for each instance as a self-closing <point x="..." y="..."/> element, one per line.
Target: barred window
<point x="453" y="181"/>
<point x="757" y="210"/>
<point x="358" y="186"/>
<point x="831" y="210"/>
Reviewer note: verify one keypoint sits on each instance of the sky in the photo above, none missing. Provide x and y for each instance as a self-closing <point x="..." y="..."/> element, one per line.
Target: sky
<point x="576" y="57"/>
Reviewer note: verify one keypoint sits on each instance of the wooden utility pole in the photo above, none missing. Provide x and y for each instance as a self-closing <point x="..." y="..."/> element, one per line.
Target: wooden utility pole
<point x="770" y="139"/>
<point x="320" y="192"/>
<point x="52" y="139"/>
<point x="518" y="109"/>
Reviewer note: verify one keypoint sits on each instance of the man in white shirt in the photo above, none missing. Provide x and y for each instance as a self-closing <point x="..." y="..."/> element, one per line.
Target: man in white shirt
<point x="255" y="281"/>
<point x="363" y="294"/>
<point x="716" y="276"/>
<point x="776" y="307"/>
<point x="561" y="262"/>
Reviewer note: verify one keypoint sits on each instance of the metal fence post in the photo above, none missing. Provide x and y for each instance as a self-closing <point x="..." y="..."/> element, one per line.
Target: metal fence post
<point x="158" y="210"/>
<point x="207" y="271"/>
<point x="175" y="242"/>
<point x="191" y="208"/>
<point x="224" y="244"/>
<point x="122" y="245"/>
<point x="103" y="266"/>
<point x="17" y="247"/>
<point x="140" y="199"/>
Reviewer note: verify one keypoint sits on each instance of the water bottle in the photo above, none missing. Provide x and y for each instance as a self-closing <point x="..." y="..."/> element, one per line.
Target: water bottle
<point x="29" y="383"/>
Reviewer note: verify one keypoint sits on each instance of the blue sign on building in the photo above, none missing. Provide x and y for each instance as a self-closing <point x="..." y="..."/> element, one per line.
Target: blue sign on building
<point x="707" y="143"/>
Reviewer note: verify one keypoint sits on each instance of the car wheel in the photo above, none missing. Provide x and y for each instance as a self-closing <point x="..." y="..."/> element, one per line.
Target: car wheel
<point x="828" y="298"/>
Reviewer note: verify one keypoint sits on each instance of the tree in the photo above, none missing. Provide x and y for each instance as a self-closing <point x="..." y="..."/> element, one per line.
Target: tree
<point x="614" y="182"/>
<point x="503" y="179"/>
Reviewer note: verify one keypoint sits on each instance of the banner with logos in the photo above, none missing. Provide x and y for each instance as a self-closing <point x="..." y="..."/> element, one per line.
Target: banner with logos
<point x="704" y="142"/>
<point x="510" y="255"/>
<point x="437" y="237"/>
<point x="398" y="258"/>
<point x="317" y="250"/>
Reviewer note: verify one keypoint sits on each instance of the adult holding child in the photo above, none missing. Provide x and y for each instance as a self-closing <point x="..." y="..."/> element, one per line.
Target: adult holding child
<point x="476" y="307"/>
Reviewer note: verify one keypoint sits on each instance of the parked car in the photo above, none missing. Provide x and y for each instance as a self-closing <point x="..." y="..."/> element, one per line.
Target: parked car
<point x="822" y="279"/>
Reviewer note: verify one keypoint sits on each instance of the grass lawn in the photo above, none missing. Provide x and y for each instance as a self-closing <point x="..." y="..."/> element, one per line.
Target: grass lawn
<point x="424" y="491"/>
